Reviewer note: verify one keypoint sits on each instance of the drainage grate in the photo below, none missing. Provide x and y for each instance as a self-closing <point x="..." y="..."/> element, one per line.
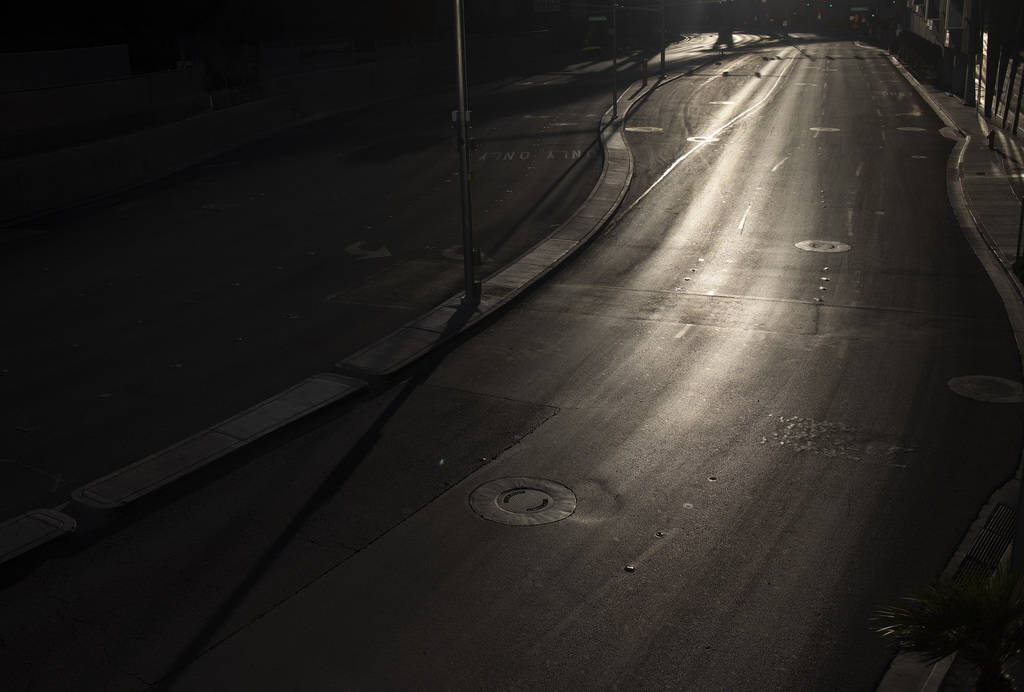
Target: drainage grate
<point x="523" y="501"/>
<point x="1001" y="521"/>
<point x="990" y="545"/>
<point x="822" y="246"/>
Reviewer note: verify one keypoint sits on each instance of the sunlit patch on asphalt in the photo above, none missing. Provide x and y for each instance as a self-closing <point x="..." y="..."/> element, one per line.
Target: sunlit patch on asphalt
<point x="645" y="128"/>
<point x="822" y="246"/>
<point x="993" y="390"/>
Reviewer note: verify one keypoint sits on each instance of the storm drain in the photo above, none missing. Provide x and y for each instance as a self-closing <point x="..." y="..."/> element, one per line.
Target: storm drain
<point x="994" y="390"/>
<point x="523" y="501"/>
<point x="989" y="546"/>
<point x="822" y="246"/>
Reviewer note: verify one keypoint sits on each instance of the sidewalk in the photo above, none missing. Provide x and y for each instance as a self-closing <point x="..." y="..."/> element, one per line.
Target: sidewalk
<point x="986" y="191"/>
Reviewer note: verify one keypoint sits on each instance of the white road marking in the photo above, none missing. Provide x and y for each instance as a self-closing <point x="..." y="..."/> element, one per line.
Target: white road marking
<point x="682" y="331"/>
<point x="721" y="103"/>
<point x="779" y="164"/>
<point x="644" y="128"/>
<point x="859" y="169"/>
<point x="700" y="145"/>
<point x="743" y="221"/>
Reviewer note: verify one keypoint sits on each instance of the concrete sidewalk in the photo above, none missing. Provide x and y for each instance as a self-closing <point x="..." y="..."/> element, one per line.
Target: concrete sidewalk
<point x="986" y="191"/>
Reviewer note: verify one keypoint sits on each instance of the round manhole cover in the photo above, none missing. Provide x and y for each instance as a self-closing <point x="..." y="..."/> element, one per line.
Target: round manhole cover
<point x="994" y="390"/>
<point x="523" y="501"/>
<point x="822" y="246"/>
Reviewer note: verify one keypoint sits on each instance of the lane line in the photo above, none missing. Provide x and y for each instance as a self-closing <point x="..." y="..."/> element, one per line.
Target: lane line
<point x="859" y="169"/>
<point x="701" y="145"/>
<point x="779" y="164"/>
<point x="682" y="331"/>
<point x="743" y="221"/>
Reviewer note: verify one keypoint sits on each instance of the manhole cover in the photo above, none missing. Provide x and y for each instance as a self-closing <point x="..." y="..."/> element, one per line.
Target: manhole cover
<point x="994" y="390"/>
<point x="523" y="501"/>
<point x="822" y="246"/>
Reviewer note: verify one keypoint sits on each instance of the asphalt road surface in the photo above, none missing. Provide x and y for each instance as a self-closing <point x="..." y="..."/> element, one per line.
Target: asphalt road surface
<point x="759" y="438"/>
<point x="144" y="318"/>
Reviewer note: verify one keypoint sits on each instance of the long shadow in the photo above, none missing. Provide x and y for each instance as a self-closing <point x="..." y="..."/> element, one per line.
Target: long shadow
<point x="327" y="489"/>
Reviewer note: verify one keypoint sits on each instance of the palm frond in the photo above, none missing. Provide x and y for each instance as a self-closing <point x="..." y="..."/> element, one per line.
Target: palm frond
<point x="982" y="619"/>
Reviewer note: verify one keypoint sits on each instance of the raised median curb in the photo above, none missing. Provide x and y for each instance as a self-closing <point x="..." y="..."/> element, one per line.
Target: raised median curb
<point x="193" y="453"/>
<point x="31" y="530"/>
<point x="422" y="335"/>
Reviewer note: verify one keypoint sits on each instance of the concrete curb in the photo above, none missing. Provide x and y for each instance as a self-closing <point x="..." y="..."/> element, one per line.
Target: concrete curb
<point x="151" y="473"/>
<point x="449" y="319"/>
<point x="908" y="671"/>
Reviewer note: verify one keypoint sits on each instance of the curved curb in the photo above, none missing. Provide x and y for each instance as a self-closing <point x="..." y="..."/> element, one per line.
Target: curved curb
<point x="907" y="670"/>
<point x="451" y="318"/>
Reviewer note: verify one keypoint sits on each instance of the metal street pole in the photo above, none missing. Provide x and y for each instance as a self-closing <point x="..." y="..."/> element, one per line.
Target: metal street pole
<point x="472" y="296"/>
<point x="662" y="39"/>
<point x="615" y="50"/>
